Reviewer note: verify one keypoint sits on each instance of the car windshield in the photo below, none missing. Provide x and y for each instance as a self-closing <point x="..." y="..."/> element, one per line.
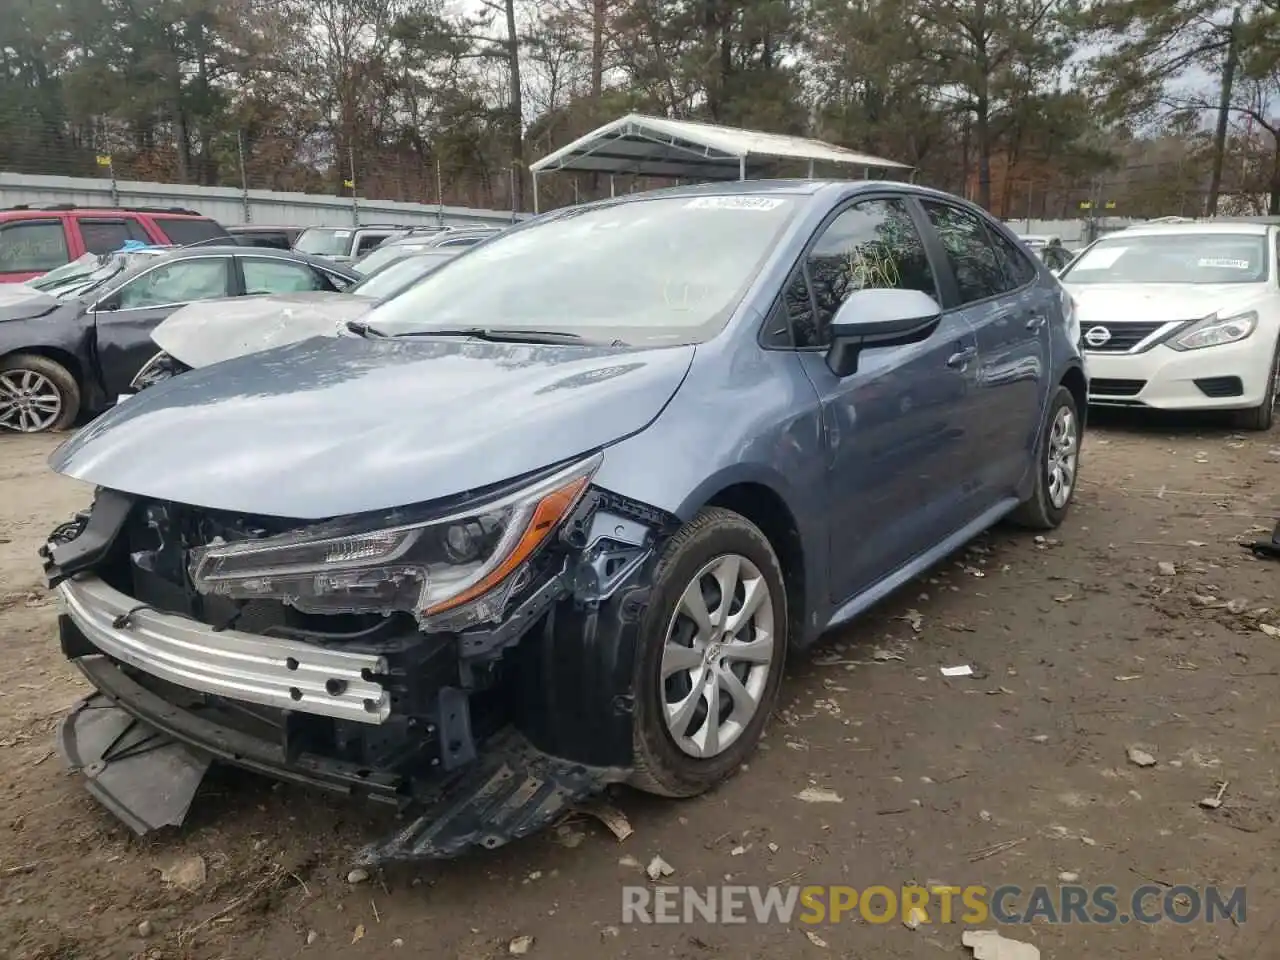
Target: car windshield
<point x="79" y="267"/>
<point x="1173" y="258"/>
<point x="399" y="275"/>
<point x="324" y="242"/>
<point x="377" y="259"/>
<point x="655" y="271"/>
<point x="95" y="273"/>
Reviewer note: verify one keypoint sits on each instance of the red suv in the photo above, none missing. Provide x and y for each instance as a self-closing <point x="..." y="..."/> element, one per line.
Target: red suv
<point x="35" y="239"/>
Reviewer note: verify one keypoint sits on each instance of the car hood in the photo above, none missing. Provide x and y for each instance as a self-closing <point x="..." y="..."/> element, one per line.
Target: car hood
<point x="1161" y="302"/>
<point x="20" y="302"/>
<point x="328" y="427"/>
<point x="211" y="331"/>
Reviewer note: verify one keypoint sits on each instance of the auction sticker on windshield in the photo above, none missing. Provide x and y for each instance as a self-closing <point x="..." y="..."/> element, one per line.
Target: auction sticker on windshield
<point x="1101" y="258"/>
<point x="733" y="203"/>
<point x="1223" y="262"/>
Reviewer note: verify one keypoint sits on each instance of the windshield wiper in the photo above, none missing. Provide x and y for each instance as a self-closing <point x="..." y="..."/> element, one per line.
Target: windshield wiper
<point x="496" y="335"/>
<point x="360" y="328"/>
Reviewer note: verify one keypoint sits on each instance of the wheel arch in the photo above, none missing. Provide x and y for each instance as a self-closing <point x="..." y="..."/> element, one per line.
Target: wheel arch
<point x="1074" y="380"/>
<point x="63" y="357"/>
<point x="764" y="506"/>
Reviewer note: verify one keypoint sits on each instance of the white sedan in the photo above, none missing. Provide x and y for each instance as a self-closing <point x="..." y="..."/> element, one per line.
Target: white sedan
<point x="1182" y="316"/>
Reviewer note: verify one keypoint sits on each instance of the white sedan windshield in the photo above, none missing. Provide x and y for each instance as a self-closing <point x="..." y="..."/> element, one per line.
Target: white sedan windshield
<point x="1173" y="258"/>
<point x="656" y="271"/>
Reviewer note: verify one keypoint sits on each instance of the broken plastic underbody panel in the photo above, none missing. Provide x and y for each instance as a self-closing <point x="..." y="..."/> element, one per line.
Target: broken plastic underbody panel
<point x="442" y="727"/>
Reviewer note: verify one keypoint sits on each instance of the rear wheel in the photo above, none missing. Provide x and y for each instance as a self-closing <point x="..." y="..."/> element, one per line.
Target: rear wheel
<point x="1261" y="416"/>
<point x="1057" y="465"/>
<point x="36" y="394"/>
<point x="713" y="646"/>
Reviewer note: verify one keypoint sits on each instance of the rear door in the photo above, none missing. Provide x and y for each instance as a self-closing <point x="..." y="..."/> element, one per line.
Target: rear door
<point x="999" y="293"/>
<point x="125" y="317"/>
<point x="30" y="247"/>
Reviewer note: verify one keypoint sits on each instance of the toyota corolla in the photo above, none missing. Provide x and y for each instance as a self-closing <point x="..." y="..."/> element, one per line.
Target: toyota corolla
<point x="552" y="518"/>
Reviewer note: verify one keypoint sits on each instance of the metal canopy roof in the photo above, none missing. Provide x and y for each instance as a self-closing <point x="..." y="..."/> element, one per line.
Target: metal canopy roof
<point x="657" y="147"/>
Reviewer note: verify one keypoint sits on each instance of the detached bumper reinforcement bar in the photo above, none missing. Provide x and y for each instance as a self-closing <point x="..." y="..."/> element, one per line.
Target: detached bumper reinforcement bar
<point x="228" y="663"/>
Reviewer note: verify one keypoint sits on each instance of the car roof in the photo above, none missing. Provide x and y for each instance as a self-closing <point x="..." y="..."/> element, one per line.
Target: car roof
<point x="798" y="188"/>
<point x="1247" y="227"/>
<point x="254" y="227"/>
<point x="38" y="211"/>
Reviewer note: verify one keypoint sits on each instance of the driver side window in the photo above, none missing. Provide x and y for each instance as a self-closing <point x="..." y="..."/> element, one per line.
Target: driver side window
<point x="871" y="245"/>
<point x="180" y="282"/>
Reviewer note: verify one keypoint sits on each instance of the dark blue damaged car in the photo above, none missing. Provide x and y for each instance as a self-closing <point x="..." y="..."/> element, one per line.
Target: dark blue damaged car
<point x="552" y="518"/>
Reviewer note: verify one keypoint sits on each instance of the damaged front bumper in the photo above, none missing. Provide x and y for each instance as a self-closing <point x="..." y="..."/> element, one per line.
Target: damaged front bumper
<point x="475" y="738"/>
<point x="287" y="674"/>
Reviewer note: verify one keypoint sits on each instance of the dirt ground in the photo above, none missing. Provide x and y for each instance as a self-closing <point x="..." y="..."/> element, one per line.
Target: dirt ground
<point x="1082" y="646"/>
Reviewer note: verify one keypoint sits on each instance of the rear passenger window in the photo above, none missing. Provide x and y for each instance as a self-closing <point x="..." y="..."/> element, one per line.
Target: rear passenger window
<point x="108" y="236"/>
<point x="280" y="276"/>
<point x="1018" y="268"/>
<point x="27" y="246"/>
<point x="871" y="245"/>
<point x="184" y="230"/>
<point x="369" y="242"/>
<point x="969" y="251"/>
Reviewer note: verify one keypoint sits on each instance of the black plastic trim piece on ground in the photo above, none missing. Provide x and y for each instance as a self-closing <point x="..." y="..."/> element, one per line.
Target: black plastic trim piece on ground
<point x="1267" y="549"/>
<point x="511" y="791"/>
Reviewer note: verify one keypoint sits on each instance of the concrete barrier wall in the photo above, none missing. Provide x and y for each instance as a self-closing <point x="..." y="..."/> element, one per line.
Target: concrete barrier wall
<point x="227" y="205"/>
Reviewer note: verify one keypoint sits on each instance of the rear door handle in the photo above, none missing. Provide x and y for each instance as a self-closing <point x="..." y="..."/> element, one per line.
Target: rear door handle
<point x="958" y="360"/>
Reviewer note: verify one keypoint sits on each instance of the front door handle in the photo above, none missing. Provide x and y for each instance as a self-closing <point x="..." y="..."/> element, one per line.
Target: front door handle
<point x="1036" y="321"/>
<point x="959" y="360"/>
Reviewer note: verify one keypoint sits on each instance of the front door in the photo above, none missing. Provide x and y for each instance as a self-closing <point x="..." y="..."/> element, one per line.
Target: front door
<point x="896" y="428"/>
<point x="998" y="290"/>
<point x="125" y="317"/>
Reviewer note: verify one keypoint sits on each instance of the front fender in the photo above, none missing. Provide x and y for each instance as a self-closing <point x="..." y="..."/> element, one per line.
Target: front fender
<point x="744" y="416"/>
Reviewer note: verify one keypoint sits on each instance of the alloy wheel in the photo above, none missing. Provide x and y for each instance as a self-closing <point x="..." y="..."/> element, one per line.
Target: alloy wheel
<point x="1062" y="457"/>
<point x="717" y="656"/>
<point x="29" y="401"/>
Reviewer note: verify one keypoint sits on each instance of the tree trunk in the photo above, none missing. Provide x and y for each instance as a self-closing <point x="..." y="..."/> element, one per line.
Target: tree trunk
<point x="982" y="130"/>
<point x="1224" y="108"/>
<point x="517" y="110"/>
<point x="597" y="77"/>
<point x="597" y="52"/>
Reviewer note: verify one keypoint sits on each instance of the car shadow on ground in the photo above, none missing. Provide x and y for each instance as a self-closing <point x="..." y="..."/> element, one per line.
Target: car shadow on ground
<point x="1145" y="422"/>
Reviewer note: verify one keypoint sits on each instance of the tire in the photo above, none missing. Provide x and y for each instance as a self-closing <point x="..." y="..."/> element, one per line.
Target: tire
<point x="1045" y="509"/>
<point x="701" y="553"/>
<point x="37" y="380"/>
<point x="1261" y="417"/>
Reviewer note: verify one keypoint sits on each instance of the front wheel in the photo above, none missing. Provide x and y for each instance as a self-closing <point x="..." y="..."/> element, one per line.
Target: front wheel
<point x="1057" y="466"/>
<point x="712" y="648"/>
<point x="37" y="394"/>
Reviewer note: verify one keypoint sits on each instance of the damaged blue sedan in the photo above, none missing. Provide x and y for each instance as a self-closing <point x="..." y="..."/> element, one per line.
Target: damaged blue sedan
<point x="553" y="517"/>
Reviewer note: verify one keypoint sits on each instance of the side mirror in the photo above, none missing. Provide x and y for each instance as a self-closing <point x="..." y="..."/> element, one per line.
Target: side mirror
<point x="879" y="318"/>
<point x="107" y="305"/>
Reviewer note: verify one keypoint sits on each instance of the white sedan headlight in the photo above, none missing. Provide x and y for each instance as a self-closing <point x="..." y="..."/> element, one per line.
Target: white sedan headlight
<point x="1214" y="331"/>
<point x="450" y="572"/>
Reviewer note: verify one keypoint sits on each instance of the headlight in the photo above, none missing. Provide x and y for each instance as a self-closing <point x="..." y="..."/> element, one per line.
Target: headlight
<point x="450" y="572"/>
<point x="1214" y="331"/>
<point x="158" y="368"/>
